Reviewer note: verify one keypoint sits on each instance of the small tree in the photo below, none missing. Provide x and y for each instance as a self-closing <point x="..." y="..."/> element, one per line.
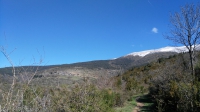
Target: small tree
<point x="185" y="30"/>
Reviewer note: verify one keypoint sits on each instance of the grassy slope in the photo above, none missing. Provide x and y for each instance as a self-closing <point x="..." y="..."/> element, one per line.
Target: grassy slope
<point x="130" y="105"/>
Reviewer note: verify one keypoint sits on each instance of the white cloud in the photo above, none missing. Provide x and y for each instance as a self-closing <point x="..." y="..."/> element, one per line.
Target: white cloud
<point x="154" y="30"/>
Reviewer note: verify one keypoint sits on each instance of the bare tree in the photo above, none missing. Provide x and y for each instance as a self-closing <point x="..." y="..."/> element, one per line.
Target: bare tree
<point x="185" y="30"/>
<point x="13" y="100"/>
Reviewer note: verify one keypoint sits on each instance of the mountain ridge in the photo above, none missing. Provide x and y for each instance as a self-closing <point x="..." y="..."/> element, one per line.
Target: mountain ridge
<point x="114" y="65"/>
<point x="179" y="49"/>
<point x="163" y="49"/>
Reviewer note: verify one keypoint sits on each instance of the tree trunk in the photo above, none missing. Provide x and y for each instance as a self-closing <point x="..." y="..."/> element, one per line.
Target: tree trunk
<point x="191" y="53"/>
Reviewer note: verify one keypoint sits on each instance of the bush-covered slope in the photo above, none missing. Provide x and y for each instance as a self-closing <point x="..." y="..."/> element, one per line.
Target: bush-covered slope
<point x="167" y="80"/>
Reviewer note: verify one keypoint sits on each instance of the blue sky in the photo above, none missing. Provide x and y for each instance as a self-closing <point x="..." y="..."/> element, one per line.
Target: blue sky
<point x="69" y="31"/>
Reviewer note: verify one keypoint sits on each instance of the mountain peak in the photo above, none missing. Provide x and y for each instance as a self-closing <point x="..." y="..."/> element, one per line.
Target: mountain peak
<point x="164" y="49"/>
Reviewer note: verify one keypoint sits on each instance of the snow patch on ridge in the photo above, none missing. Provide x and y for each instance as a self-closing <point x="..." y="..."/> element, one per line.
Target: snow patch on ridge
<point x="165" y="49"/>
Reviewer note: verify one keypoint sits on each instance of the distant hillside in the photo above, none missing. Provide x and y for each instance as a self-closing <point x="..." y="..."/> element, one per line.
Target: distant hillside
<point x="95" y="68"/>
<point x="124" y="63"/>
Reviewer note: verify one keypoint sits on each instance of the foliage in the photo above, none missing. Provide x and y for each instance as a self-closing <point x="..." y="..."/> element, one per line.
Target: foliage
<point x="81" y="98"/>
<point x="174" y="90"/>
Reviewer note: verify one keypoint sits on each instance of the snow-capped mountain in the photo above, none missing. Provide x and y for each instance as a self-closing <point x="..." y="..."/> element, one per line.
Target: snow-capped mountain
<point x="164" y="49"/>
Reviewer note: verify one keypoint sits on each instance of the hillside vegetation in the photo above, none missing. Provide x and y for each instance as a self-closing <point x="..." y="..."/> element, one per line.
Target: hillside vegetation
<point x="168" y="81"/>
<point x="165" y="80"/>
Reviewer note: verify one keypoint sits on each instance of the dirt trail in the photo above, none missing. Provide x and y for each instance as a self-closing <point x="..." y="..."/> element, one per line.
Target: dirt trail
<point x="137" y="108"/>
